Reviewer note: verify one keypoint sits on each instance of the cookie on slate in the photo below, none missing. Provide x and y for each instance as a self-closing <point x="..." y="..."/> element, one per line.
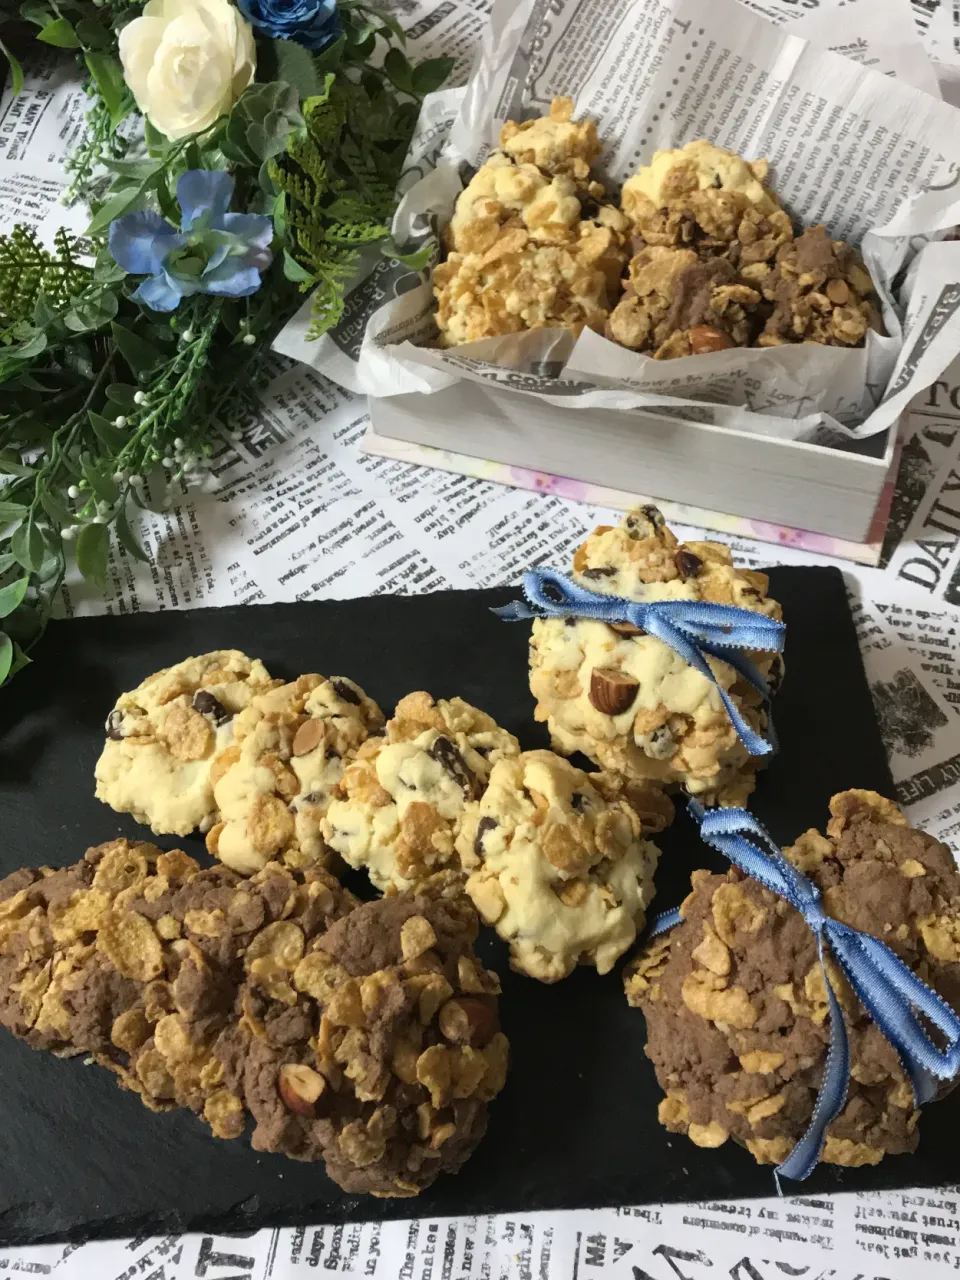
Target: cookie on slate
<point x="628" y="701"/>
<point x="734" y="998"/>
<point x="273" y="784"/>
<point x="560" y="867"/>
<point x="162" y="738"/>
<point x="393" y="1089"/>
<point x="374" y="1047"/>
<point x="403" y="798"/>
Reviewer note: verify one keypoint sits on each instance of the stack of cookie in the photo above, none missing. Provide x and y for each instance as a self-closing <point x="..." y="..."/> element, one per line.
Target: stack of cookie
<point x="711" y="258"/>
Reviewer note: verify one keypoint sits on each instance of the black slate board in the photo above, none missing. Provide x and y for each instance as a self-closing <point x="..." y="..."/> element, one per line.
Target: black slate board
<point x="576" y="1125"/>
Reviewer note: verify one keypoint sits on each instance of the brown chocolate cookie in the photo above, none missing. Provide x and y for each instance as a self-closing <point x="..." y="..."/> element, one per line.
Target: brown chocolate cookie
<point x="735" y="1003"/>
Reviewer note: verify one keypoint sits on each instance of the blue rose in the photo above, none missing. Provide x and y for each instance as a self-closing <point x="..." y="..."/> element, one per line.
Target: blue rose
<point x="313" y="23"/>
<point x="214" y="251"/>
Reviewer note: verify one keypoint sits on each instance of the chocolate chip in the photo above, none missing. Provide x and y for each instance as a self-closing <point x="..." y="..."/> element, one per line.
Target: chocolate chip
<point x="483" y="826"/>
<point x="331" y="753"/>
<point x="346" y="693"/>
<point x="688" y="565"/>
<point x="114" y="725"/>
<point x="717" y="181"/>
<point x="569" y="622"/>
<point x="606" y="572"/>
<point x="450" y="759"/>
<point x="312" y="797"/>
<point x="577" y="801"/>
<point x="654" y="515"/>
<point x="208" y="705"/>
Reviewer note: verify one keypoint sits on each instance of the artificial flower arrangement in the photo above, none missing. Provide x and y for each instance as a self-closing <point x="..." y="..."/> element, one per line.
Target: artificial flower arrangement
<point x="251" y="151"/>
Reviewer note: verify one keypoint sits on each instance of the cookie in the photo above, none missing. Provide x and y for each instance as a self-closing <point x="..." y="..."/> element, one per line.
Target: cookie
<point x="163" y="736"/>
<point x="628" y="701"/>
<point x="734" y="997"/>
<point x="530" y="244"/>
<point x="374" y="1047"/>
<point x="699" y="166"/>
<point x="273" y="784"/>
<point x="821" y="292"/>
<point x="559" y="865"/>
<point x="402" y="800"/>
<point x="393" y="1089"/>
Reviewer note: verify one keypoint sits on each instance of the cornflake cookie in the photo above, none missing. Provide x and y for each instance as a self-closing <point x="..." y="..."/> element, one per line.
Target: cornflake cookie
<point x="403" y="798"/>
<point x="374" y="1047"/>
<point x="522" y="255"/>
<point x="699" y="166"/>
<point x="162" y="739"/>
<point x="735" y="1003"/>
<point x="559" y="864"/>
<point x="627" y="700"/>
<point x="272" y="786"/>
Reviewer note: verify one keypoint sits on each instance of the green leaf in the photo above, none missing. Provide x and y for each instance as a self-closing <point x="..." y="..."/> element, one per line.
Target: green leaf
<point x="6" y="655"/>
<point x="110" y="437"/>
<point x="296" y="66"/>
<point x="430" y="75"/>
<point x="329" y="59"/>
<point x="416" y="261"/>
<point x="398" y="69"/>
<point x="10" y="597"/>
<point x="136" y="170"/>
<point x="33" y="346"/>
<point x="11" y="511"/>
<point x="93" y="35"/>
<point x="27" y="545"/>
<point x="139" y="355"/>
<point x="7" y="560"/>
<point x="115" y="207"/>
<point x="20" y="660"/>
<point x="55" y="509"/>
<point x="87" y="317"/>
<point x="59" y="33"/>
<point x="157" y="143"/>
<point x="10" y="466"/>
<point x="292" y="269"/>
<point x="36" y="12"/>
<point x="120" y="394"/>
<point x="101" y="484"/>
<point x="108" y="75"/>
<point x="93" y="545"/>
<point x="16" y="71"/>
<point x="129" y="540"/>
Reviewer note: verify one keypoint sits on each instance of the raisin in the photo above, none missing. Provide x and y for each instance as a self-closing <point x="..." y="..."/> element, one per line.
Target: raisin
<point x="208" y="705"/>
<point x="450" y="759"/>
<point x="483" y="826"/>
<point x="688" y="565"/>
<point x="605" y="572"/>
<point x="346" y="693"/>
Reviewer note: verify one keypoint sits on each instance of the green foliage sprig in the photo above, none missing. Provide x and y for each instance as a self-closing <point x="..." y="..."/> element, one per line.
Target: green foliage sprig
<point x="107" y="407"/>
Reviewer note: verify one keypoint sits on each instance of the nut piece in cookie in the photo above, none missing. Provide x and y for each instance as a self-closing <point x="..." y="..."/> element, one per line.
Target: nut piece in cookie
<point x="734" y="998"/>
<point x="163" y="736"/>
<point x="821" y="292"/>
<point x="628" y="701"/>
<point x="699" y="166"/>
<point x="273" y="784"/>
<point x="400" y="1051"/>
<point x="559" y="865"/>
<point x="401" y="802"/>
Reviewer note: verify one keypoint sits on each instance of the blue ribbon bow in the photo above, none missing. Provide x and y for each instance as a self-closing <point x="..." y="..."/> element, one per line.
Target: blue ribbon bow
<point x="693" y="629"/>
<point x="889" y="990"/>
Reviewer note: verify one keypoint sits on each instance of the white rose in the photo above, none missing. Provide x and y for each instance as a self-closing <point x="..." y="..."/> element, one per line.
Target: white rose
<point x="187" y="62"/>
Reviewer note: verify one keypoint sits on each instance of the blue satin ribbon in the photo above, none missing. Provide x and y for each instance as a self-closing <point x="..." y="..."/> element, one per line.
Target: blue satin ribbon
<point x="694" y="629"/>
<point x="890" y="991"/>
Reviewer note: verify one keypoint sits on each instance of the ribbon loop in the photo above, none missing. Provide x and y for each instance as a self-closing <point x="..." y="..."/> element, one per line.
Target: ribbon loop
<point x="693" y="629"/>
<point x="889" y="990"/>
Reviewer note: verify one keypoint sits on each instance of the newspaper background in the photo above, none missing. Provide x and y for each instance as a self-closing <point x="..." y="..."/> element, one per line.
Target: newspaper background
<point x="299" y="511"/>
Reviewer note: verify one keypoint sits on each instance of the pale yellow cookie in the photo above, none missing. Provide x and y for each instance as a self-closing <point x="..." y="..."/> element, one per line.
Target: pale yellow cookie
<point x="162" y="738"/>
<point x="560" y="866"/>
<point x="699" y="166"/>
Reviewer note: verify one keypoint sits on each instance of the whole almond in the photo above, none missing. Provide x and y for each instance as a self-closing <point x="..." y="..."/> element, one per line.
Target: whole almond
<point x="469" y="1020"/>
<point x="704" y="338"/>
<point x="308" y="736"/>
<point x="612" y="692"/>
<point x="300" y="1087"/>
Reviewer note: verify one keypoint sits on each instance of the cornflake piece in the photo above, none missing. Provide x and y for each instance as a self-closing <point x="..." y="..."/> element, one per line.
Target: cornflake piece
<point x="735" y="1002"/>
<point x="163" y="736"/>
<point x="403" y="798"/>
<point x="674" y="729"/>
<point x="560" y="866"/>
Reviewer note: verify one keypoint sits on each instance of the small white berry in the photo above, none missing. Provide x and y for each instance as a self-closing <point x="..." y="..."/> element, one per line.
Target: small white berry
<point x="68" y="533"/>
<point x="119" y="477"/>
<point x="139" y="398"/>
<point x="187" y="336"/>
<point x="169" y="463"/>
<point x="99" y="519"/>
<point x="236" y="435"/>
<point x="136" y="481"/>
<point x="249" y="339"/>
<point x="73" y="492"/>
<point x="178" y="443"/>
<point x="120" y="421"/>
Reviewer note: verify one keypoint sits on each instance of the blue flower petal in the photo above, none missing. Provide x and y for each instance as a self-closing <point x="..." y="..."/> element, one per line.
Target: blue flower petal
<point x="254" y="228"/>
<point x="312" y="23"/>
<point x="201" y="191"/>
<point x="232" y="280"/>
<point x="160" y="293"/>
<point x="140" y="241"/>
